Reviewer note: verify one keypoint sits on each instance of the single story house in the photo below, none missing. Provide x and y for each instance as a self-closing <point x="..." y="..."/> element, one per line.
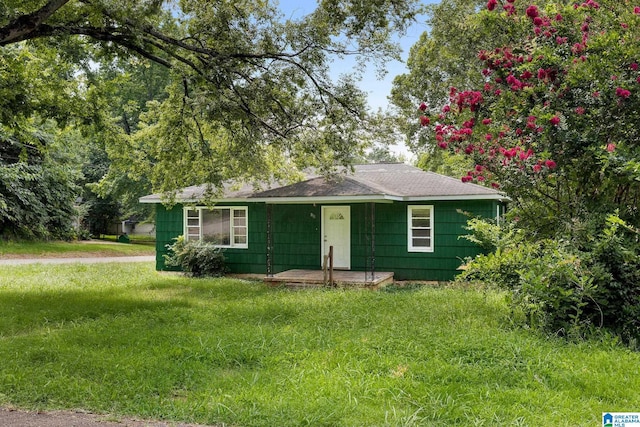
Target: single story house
<point x="382" y="217"/>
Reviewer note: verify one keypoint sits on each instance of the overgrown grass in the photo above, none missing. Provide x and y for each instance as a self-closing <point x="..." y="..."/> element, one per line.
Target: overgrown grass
<point x="145" y="239"/>
<point x="123" y="339"/>
<point x="10" y="249"/>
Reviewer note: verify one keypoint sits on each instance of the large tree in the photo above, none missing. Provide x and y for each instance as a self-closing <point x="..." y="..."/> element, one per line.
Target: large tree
<point x="38" y="147"/>
<point x="553" y="122"/>
<point x="251" y="92"/>
<point x="553" y="117"/>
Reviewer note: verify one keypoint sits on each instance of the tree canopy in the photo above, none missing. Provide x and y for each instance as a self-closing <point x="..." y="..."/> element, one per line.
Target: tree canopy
<point x="250" y="88"/>
<point x="550" y="116"/>
<point x="185" y="92"/>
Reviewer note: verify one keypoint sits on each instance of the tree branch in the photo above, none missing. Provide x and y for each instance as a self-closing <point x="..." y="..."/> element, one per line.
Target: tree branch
<point x="22" y="27"/>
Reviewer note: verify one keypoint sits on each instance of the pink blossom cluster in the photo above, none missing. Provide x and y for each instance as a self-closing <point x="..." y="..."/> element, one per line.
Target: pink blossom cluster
<point x="496" y="146"/>
<point x="469" y="98"/>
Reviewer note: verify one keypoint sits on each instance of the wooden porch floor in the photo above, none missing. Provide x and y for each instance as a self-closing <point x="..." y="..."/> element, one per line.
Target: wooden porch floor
<point x="340" y="278"/>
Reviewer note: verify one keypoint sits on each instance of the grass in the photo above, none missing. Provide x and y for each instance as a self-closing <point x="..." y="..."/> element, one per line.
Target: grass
<point x="94" y="248"/>
<point x="125" y="340"/>
<point x="145" y="239"/>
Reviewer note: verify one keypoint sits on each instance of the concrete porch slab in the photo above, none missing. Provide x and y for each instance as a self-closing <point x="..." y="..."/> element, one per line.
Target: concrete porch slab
<point x="340" y="278"/>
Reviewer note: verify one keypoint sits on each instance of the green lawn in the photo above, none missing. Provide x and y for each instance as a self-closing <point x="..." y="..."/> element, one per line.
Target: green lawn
<point x="125" y="340"/>
<point x="95" y="248"/>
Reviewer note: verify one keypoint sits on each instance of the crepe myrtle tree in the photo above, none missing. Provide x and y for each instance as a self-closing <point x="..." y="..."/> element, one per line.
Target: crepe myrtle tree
<point x="555" y="123"/>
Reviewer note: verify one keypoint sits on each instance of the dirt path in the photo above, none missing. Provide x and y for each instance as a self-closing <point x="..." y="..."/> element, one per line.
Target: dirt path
<point x="17" y="418"/>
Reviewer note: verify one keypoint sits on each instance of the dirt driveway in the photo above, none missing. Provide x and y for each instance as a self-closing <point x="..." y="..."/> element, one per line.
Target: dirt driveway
<point x="17" y="418"/>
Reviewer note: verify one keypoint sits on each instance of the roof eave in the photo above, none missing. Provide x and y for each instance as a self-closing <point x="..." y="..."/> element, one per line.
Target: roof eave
<point x="372" y="198"/>
<point x="453" y="197"/>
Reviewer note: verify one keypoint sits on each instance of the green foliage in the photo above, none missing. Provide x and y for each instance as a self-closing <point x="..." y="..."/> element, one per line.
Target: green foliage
<point x="550" y="118"/>
<point x="543" y="102"/>
<point x="196" y="258"/>
<point x="239" y="91"/>
<point x="124" y="340"/>
<point x="38" y="146"/>
<point x="37" y="184"/>
<point x="561" y="286"/>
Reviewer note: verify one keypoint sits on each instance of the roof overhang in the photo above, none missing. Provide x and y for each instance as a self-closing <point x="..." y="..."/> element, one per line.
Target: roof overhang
<point x="381" y="198"/>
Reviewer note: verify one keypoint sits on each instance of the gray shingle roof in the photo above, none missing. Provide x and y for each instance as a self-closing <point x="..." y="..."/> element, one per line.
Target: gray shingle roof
<point x="390" y="181"/>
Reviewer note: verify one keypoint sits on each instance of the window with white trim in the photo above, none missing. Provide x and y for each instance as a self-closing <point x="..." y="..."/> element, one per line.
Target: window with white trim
<point x="226" y="227"/>
<point x="420" y="228"/>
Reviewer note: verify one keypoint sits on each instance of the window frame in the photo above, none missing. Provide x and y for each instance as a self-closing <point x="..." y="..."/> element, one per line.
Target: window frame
<point x="411" y="228"/>
<point x="232" y="227"/>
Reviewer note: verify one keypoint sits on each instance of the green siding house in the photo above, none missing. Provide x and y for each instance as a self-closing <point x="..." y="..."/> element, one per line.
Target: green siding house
<point x="381" y="217"/>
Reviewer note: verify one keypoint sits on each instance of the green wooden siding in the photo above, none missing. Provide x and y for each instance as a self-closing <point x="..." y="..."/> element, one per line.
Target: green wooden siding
<point x="391" y="253"/>
<point x="169" y="225"/>
<point x="296" y="236"/>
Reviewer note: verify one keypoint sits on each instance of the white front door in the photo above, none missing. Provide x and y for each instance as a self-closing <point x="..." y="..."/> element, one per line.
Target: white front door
<point x="336" y="232"/>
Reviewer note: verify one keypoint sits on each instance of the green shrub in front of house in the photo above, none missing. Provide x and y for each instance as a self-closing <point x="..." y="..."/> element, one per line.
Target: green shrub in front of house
<point x="196" y="258"/>
<point x="565" y="286"/>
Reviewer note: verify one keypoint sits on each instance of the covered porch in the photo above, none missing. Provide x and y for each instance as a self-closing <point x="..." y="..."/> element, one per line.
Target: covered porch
<point x="341" y="278"/>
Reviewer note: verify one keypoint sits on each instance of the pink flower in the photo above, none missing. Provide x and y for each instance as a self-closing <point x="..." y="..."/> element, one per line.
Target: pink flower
<point x="532" y="11"/>
<point x="611" y="147"/>
<point x="537" y="168"/>
<point x="424" y="120"/>
<point x="623" y="93"/>
<point x="577" y="47"/>
<point x="467" y="178"/>
<point x="446" y="109"/>
<point x="486" y="121"/>
<point x="634" y="66"/>
<point x="423" y="106"/>
<point x="555" y="120"/>
<point x="636" y="10"/>
<point x="491" y="4"/>
<point x="537" y="21"/>
<point x="558" y="17"/>
<point x="580" y="111"/>
<point x="550" y="164"/>
<point x="495" y="184"/>
<point x="479" y="168"/>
